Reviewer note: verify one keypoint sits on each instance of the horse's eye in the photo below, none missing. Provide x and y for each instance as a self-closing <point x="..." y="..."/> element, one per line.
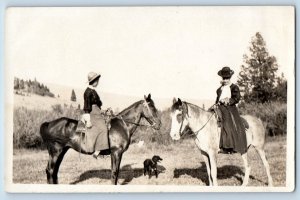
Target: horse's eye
<point x="179" y="118"/>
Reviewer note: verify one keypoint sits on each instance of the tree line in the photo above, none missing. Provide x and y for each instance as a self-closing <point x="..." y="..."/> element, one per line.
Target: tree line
<point x="32" y="87"/>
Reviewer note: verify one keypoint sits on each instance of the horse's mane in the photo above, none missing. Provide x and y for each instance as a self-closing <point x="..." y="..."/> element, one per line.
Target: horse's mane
<point x="130" y="107"/>
<point x="195" y="106"/>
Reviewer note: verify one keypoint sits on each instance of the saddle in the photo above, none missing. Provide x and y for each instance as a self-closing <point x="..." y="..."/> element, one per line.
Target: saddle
<point x="93" y="138"/>
<point x="107" y="115"/>
<point x="218" y="113"/>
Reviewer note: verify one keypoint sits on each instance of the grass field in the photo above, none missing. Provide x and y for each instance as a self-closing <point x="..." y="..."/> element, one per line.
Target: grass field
<point x="182" y="165"/>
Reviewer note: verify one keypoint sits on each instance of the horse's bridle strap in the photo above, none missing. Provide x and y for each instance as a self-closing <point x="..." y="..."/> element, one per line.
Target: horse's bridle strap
<point x="196" y="132"/>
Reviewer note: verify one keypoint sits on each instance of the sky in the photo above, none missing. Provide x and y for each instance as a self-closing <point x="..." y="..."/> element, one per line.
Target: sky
<point x="165" y="51"/>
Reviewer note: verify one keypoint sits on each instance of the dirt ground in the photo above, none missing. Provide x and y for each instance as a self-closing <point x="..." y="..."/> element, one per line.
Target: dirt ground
<point x="182" y="165"/>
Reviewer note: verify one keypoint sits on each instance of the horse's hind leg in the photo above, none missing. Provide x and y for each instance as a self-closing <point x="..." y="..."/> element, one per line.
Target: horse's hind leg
<point x="58" y="162"/>
<point x="116" y="158"/>
<point x="56" y="154"/>
<point x="145" y="170"/>
<point x="247" y="169"/>
<point x="262" y="155"/>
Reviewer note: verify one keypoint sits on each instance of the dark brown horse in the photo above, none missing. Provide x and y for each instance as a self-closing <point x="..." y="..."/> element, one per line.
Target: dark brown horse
<point x="59" y="135"/>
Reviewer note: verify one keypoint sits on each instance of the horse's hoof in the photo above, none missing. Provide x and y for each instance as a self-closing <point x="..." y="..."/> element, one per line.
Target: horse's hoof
<point x="270" y="185"/>
<point x="95" y="156"/>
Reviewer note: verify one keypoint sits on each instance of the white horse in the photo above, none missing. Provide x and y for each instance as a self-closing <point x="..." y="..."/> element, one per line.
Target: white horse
<point x="204" y="125"/>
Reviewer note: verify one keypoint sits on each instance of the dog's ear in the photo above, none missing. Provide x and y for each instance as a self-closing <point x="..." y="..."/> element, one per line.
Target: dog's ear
<point x="154" y="158"/>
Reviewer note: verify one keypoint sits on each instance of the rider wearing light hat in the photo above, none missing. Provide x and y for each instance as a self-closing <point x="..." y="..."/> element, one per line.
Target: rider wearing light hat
<point x="92" y="116"/>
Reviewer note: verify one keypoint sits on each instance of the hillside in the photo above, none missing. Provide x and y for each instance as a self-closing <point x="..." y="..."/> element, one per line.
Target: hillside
<point x="115" y="101"/>
<point x="23" y="87"/>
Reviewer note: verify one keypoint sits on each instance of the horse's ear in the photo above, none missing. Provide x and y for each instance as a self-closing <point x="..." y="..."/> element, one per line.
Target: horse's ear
<point x="145" y="97"/>
<point x="149" y="96"/>
<point x="179" y="101"/>
<point x="174" y="100"/>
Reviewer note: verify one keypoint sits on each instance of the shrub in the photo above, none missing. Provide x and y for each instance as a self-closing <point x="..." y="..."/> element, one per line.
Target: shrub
<point x="273" y="115"/>
<point x="26" y="124"/>
<point x="160" y="136"/>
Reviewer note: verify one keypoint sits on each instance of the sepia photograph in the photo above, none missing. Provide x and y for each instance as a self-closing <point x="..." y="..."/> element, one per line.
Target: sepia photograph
<point x="150" y="99"/>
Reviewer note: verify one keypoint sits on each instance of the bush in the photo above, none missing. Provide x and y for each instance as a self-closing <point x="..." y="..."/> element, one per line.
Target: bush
<point x="161" y="136"/>
<point x="27" y="124"/>
<point x="273" y="115"/>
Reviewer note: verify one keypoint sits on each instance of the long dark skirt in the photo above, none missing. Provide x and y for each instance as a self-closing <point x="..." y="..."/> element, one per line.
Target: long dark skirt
<point x="233" y="135"/>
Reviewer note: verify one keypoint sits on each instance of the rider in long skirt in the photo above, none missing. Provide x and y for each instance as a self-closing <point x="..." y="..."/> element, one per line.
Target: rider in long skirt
<point x="233" y="135"/>
<point x="95" y="123"/>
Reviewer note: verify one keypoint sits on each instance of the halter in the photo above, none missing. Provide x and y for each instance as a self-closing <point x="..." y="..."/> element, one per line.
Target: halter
<point x="185" y="111"/>
<point x="147" y="106"/>
<point x="183" y="116"/>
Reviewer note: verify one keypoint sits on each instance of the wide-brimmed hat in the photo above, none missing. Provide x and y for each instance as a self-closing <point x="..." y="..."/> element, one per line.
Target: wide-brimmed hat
<point x="226" y="72"/>
<point x="93" y="76"/>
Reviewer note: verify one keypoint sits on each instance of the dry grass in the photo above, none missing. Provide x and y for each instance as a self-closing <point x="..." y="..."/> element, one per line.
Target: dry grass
<point x="37" y="102"/>
<point x="182" y="165"/>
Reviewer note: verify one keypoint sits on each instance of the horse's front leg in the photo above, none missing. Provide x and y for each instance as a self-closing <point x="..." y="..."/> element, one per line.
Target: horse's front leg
<point x="116" y="158"/>
<point x="206" y="160"/>
<point x="213" y="167"/>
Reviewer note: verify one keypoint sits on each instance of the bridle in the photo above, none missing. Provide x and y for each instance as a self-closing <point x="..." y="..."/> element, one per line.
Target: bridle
<point x="145" y="125"/>
<point x="187" y="113"/>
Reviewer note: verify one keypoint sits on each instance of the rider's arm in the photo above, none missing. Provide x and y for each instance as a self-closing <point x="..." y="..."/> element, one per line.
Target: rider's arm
<point x="87" y="108"/>
<point x="97" y="100"/>
<point x="235" y="95"/>
<point x="86" y="118"/>
<point x="218" y="95"/>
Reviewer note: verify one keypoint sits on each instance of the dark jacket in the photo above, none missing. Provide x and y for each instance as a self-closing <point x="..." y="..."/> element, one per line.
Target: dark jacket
<point x="90" y="98"/>
<point x="235" y="94"/>
<point x="233" y="133"/>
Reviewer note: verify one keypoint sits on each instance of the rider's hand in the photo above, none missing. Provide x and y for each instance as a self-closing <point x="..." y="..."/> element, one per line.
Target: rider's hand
<point x="86" y="118"/>
<point x="225" y="101"/>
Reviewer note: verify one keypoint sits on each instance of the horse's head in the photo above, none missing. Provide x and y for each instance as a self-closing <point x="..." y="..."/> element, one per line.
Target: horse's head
<point x="149" y="112"/>
<point x="178" y="116"/>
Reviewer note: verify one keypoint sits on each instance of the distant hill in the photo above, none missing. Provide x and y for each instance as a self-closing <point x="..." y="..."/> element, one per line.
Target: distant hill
<point x="118" y="102"/>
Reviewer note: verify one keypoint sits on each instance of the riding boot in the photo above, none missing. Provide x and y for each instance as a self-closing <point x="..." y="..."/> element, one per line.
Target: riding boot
<point x="226" y="151"/>
<point x="96" y="154"/>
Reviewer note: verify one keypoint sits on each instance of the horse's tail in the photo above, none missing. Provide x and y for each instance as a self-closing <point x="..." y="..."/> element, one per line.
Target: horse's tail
<point x="44" y="131"/>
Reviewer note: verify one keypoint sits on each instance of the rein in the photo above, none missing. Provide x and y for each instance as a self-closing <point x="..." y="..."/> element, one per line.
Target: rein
<point x="195" y="132"/>
<point x="137" y="124"/>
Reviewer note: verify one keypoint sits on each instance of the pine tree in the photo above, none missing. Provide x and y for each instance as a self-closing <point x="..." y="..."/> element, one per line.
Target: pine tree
<point x="16" y="83"/>
<point x="73" y="96"/>
<point x="257" y="78"/>
<point x="22" y="84"/>
<point x="281" y="89"/>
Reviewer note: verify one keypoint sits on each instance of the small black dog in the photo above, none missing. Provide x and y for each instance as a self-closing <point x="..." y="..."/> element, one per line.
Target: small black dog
<point x="151" y="164"/>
